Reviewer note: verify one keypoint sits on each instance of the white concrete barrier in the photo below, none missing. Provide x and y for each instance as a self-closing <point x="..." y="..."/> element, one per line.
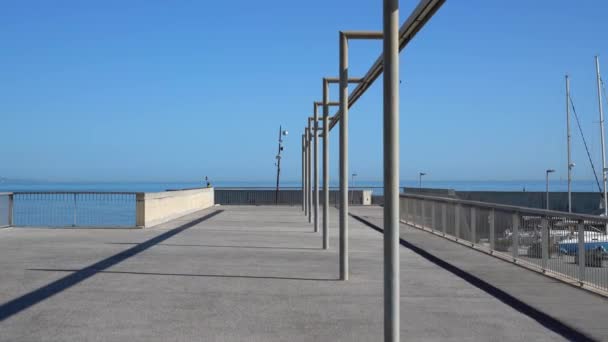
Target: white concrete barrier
<point x="154" y="208"/>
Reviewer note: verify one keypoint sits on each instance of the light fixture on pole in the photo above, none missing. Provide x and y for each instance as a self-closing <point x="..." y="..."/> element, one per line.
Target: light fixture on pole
<point x="278" y="163"/>
<point x="420" y="179"/>
<point x="547" y="193"/>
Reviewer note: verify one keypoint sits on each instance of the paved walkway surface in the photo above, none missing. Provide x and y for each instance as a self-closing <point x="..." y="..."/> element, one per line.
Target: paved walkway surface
<point x="544" y="298"/>
<point x="233" y="274"/>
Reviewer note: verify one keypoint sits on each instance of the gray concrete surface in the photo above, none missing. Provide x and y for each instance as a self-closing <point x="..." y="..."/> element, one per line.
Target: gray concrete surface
<point x="582" y="310"/>
<point x="246" y="274"/>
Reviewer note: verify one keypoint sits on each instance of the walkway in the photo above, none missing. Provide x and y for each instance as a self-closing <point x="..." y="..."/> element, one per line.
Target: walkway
<point x="553" y="303"/>
<point x="232" y="274"/>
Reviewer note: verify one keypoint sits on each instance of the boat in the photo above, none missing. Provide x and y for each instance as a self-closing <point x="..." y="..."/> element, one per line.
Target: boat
<point x="593" y="241"/>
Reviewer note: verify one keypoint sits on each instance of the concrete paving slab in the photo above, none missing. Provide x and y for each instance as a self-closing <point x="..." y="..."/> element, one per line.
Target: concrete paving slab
<point x="246" y="274"/>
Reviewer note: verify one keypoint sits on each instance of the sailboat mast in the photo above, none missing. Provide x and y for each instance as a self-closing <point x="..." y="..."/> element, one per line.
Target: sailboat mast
<point x="568" y="135"/>
<point x="599" y="102"/>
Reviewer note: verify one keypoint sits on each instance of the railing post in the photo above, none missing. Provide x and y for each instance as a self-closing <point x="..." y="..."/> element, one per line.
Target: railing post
<point x="419" y="220"/>
<point x="415" y="212"/>
<point x="422" y="213"/>
<point x="457" y="221"/>
<point x="411" y="211"/>
<point x="491" y="219"/>
<point x="75" y="209"/>
<point x="405" y="208"/>
<point x="444" y="217"/>
<point x="11" y="198"/>
<point x="544" y="226"/>
<point x="473" y="226"/>
<point x="515" y="235"/>
<point x="581" y="251"/>
<point x="433" y="216"/>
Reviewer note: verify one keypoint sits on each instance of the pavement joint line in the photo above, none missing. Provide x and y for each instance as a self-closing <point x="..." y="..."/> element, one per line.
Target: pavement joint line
<point x="541" y="317"/>
<point x="188" y="275"/>
<point x="34" y="297"/>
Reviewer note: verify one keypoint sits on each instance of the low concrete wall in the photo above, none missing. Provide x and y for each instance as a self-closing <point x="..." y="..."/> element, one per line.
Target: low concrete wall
<point x="286" y="197"/>
<point x="154" y="208"/>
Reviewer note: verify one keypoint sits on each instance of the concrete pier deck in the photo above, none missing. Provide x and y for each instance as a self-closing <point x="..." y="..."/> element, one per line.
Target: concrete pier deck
<point x="232" y="274"/>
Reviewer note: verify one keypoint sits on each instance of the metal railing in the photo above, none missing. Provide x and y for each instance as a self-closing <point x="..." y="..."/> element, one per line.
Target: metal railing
<point x="73" y="209"/>
<point x="546" y="241"/>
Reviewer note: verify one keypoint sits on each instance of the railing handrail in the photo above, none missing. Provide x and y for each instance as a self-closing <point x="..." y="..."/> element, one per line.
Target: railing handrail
<point x="506" y="207"/>
<point x="6" y="193"/>
<point x="75" y="192"/>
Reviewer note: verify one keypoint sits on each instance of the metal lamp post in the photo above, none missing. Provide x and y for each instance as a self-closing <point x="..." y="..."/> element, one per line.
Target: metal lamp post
<point x="420" y="179"/>
<point x="547" y="177"/>
<point x="281" y="134"/>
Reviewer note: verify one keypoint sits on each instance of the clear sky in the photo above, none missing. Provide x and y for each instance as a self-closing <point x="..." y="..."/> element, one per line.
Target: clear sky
<point x="174" y="90"/>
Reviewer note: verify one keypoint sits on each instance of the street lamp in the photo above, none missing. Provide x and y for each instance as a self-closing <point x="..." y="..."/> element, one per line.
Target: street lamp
<point x="547" y="176"/>
<point x="420" y="179"/>
<point x="352" y="185"/>
<point x="278" y="163"/>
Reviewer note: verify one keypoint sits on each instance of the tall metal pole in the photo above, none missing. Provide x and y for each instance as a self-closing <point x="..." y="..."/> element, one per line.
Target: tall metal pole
<point x="568" y="142"/>
<point x="316" y="170"/>
<point x="325" y="164"/>
<point x="309" y="189"/>
<point x="601" y="109"/>
<point x="547" y="191"/>
<point x="276" y="195"/>
<point x="391" y="169"/>
<point x="306" y="193"/>
<point x="343" y="157"/>
<point x="303" y="173"/>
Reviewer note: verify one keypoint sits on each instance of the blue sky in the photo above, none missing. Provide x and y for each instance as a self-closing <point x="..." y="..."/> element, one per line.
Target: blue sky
<point x="172" y="91"/>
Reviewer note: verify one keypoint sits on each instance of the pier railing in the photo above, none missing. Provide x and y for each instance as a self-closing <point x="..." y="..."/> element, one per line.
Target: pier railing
<point x="100" y="209"/>
<point x="571" y="247"/>
<point x="74" y="209"/>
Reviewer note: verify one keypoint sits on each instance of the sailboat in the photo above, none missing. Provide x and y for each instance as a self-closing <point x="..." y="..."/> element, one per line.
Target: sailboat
<point x="594" y="239"/>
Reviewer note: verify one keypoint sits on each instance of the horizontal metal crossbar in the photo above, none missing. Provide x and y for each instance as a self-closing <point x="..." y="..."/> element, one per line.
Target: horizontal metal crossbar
<point x="419" y="17"/>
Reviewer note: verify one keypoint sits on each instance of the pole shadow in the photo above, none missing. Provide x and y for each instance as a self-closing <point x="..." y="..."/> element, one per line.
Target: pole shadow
<point x="541" y="317"/>
<point x="223" y="246"/>
<point x="34" y="297"/>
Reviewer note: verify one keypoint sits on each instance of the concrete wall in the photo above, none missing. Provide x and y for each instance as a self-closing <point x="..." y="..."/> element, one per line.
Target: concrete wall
<point x="286" y="197"/>
<point x="582" y="202"/>
<point x="154" y="208"/>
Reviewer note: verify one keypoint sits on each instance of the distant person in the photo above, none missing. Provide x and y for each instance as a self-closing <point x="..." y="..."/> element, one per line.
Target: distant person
<point x="207" y="182"/>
